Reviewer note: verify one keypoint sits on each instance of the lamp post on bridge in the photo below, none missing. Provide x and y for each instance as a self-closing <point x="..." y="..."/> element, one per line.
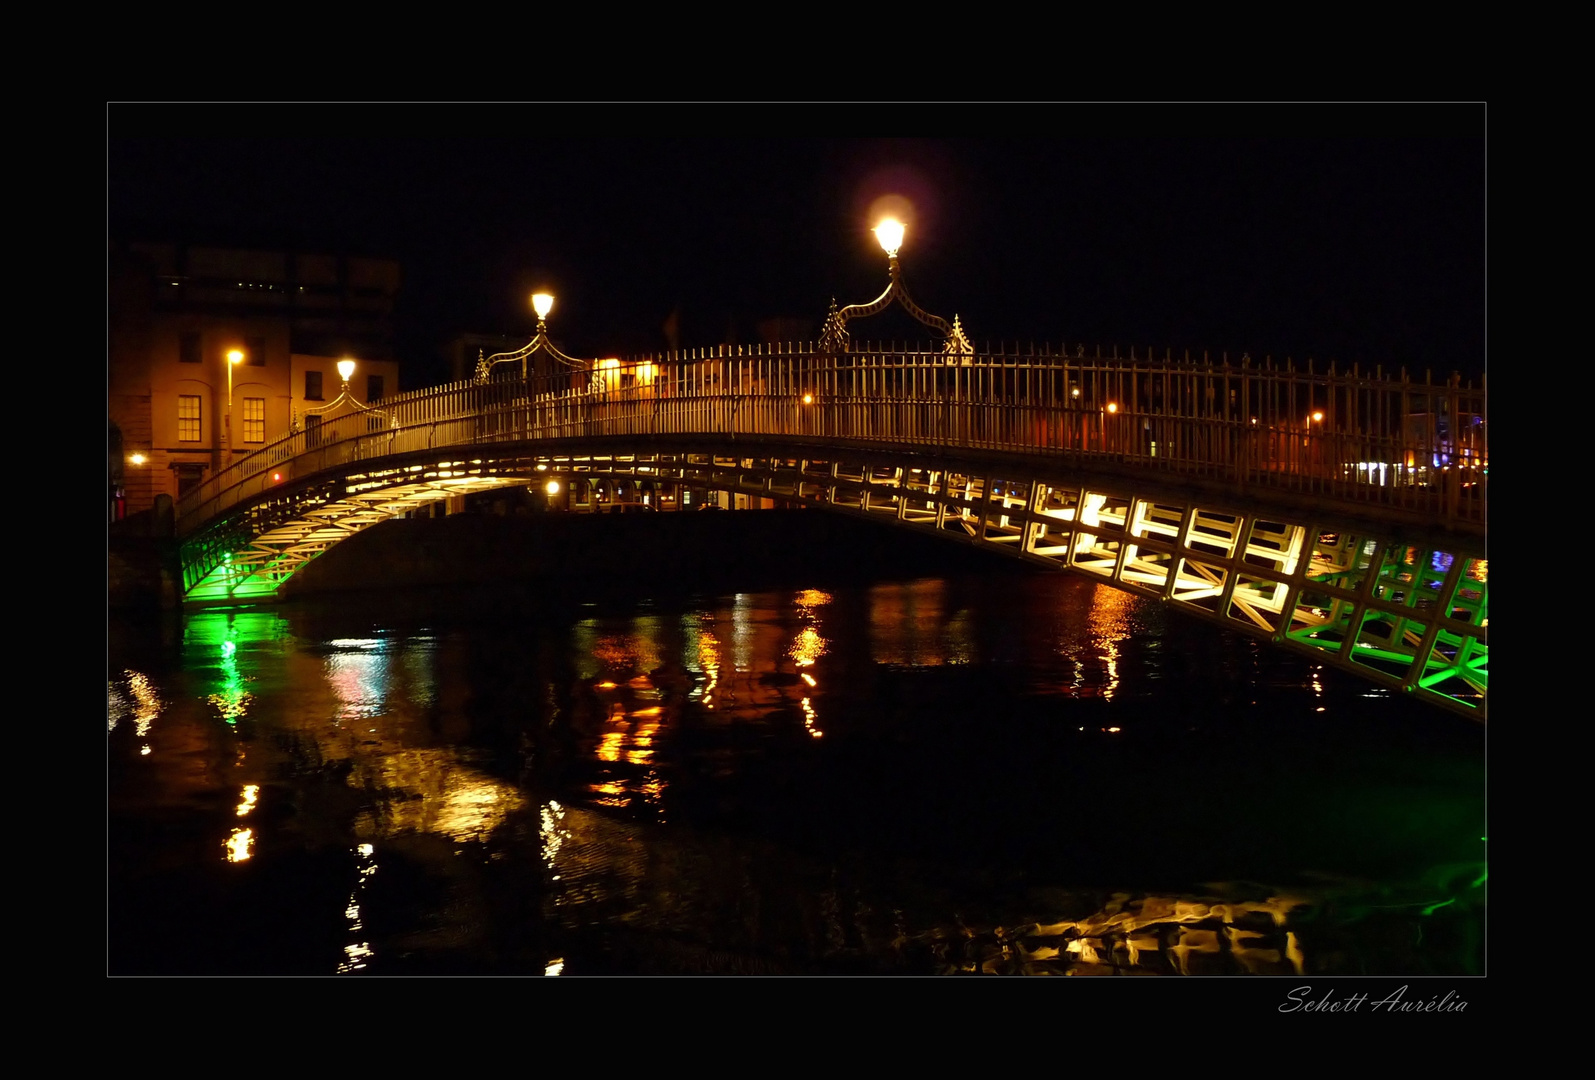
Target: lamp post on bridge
<point x="834" y="341"/>
<point x="542" y="303"/>
<point x="889" y="234"/>
<point x="345" y="398"/>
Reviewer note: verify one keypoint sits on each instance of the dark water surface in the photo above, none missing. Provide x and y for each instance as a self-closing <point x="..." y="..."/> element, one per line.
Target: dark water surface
<point x="985" y="771"/>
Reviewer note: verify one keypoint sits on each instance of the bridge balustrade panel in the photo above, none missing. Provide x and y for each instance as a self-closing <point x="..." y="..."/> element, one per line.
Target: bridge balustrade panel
<point x="1392" y="444"/>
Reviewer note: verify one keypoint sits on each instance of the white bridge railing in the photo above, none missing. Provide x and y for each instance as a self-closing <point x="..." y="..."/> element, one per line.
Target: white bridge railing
<point x="1357" y="438"/>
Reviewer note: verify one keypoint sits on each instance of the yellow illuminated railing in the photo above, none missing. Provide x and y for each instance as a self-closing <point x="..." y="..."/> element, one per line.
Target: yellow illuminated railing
<point x="1372" y="440"/>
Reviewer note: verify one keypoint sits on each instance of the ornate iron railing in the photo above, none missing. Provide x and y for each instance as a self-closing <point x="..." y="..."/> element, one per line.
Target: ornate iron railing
<point x="1364" y="440"/>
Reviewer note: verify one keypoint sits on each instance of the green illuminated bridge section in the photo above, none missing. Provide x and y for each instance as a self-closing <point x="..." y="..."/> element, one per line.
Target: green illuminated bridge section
<point x="1337" y="514"/>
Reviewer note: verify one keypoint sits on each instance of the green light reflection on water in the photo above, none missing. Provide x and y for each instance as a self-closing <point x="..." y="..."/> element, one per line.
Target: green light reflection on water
<point x="224" y="634"/>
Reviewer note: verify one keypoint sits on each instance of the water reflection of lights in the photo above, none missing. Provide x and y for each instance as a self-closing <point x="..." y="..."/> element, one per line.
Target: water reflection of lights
<point x="239" y="845"/>
<point x="742" y="633"/>
<point x="642" y="737"/>
<point x="473" y="807"/>
<point x="232" y="701"/>
<point x="116" y="706"/>
<point x="808" y="647"/>
<point x="358" y="952"/>
<point x="140" y="701"/>
<point x="358" y="675"/>
<point x="1181" y="935"/>
<point x="629" y="739"/>
<point x="246" y="800"/>
<point x="418" y="661"/>
<point x="223" y="631"/>
<point x="555" y="966"/>
<point x="907" y="626"/>
<point x="709" y="663"/>
<point x="1110" y="623"/>
<point x="552" y="832"/>
<point x="809" y="719"/>
<point x="610" y="745"/>
<point x="431" y="792"/>
<point x="585" y="644"/>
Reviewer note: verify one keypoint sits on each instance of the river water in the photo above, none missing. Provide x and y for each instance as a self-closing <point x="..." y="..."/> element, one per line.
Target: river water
<point x="984" y="771"/>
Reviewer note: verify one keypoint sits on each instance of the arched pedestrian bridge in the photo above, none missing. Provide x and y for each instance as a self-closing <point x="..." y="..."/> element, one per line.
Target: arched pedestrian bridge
<point x="1339" y="514"/>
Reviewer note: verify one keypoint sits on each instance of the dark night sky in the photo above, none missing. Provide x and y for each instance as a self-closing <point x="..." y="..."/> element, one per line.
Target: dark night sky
<point x="1338" y="233"/>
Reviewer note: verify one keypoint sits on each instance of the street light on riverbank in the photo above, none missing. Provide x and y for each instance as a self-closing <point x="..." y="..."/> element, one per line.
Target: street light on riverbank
<point x="234" y="357"/>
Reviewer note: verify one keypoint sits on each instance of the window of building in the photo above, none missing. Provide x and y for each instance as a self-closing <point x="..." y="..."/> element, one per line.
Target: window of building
<point x="255" y="351"/>
<point x="188" y="350"/>
<point x="188" y="418"/>
<point x="373" y="387"/>
<point x="254" y="419"/>
<point x="312" y="432"/>
<point x="312" y="386"/>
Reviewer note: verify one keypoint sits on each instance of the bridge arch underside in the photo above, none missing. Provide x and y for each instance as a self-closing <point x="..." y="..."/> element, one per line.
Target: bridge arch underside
<point x="1402" y="607"/>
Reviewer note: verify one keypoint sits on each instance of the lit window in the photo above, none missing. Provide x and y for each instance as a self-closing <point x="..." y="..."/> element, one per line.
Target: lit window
<point x="254" y="419"/>
<point x="312" y="386"/>
<point x="188" y="418"/>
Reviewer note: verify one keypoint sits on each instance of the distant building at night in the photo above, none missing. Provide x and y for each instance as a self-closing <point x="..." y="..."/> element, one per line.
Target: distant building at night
<point x="176" y="312"/>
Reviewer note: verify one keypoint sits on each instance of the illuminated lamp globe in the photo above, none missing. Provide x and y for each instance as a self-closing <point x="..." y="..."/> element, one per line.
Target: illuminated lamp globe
<point x="542" y="303"/>
<point x="1113" y="406"/>
<point x="889" y="233"/>
<point x="345" y="369"/>
<point x="235" y="357"/>
<point x="552" y="487"/>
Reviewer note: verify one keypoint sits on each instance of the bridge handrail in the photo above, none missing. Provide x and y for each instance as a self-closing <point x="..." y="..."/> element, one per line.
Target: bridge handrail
<point x="1238" y="422"/>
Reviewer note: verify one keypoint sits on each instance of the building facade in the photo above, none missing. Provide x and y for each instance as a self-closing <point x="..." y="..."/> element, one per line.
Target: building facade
<point x="211" y="353"/>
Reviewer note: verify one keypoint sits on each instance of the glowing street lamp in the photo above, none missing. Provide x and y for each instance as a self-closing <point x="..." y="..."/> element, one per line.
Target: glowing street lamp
<point x="542" y="303"/>
<point x="889" y="234"/>
<point x="344" y="401"/>
<point x="234" y="357"/>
